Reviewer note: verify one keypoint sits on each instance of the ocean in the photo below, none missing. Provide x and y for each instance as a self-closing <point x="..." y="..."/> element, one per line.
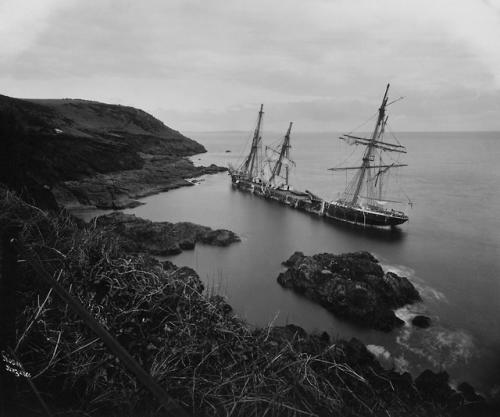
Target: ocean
<point x="449" y="250"/>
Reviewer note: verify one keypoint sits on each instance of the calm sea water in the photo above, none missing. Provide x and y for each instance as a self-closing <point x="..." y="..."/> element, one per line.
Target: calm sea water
<point x="450" y="250"/>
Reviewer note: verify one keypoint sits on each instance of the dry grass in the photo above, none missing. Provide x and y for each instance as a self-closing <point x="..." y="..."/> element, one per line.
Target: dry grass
<point x="187" y="338"/>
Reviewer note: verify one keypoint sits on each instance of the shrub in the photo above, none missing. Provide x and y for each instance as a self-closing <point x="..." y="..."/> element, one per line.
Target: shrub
<point x="187" y="338"/>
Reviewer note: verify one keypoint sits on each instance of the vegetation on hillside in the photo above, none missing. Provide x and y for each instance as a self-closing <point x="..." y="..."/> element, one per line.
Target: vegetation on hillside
<point x="91" y="138"/>
<point x="186" y="337"/>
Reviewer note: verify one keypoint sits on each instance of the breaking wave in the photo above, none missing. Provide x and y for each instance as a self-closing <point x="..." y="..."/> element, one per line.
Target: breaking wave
<point x="425" y="291"/>
<point x="384" y="357"/>
<point x="441" y="346"/>
<point x="437" y="346"/>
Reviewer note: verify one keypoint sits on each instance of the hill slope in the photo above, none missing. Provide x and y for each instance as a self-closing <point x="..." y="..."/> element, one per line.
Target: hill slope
<point x="51" y="141"/>
<point x="70" y="139"/>
<point x="87" y="118"/>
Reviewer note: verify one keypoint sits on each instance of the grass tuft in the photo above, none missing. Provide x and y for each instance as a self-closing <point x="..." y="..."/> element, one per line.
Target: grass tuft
<point x="185" y="336"/>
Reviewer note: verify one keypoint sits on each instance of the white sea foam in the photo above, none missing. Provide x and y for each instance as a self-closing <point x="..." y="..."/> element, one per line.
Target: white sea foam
<point x="425" y="291"/>
<point x="401" y="270"/>
<point x="428" y="293"/>
<point x="457" y="343"/>
<point x="442" y="347"/>
<point x="401" y="364"/>
<point x="379" y="351"/>
<point x="382" y="355"/>
<point x="409" y="311"/>
<point x="389" y="362"/>
<point x="495" y="391"/>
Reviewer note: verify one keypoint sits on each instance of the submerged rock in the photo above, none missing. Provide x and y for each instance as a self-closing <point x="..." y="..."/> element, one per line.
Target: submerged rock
<point x="163" y="238"/>
<point x="352" y="286"/>
<point x="421" y="321"/>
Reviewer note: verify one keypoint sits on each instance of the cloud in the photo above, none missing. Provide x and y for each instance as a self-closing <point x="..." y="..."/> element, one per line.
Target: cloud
<point x="322" y="62"/>
<point x="259" y="43"/>
<point x="22" y="22"/>
<point x="477" y="25"/>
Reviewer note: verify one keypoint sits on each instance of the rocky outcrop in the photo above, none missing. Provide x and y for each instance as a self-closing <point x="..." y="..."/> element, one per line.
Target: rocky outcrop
<point x="163" y="238"/>
<point x="91" y="154"/>
<point x="464" y="401"/>
<point x="353" y="286"/>
<point x="430" y="391"/>
<point x="421" y="321"/>
<point x="121" y="189"/>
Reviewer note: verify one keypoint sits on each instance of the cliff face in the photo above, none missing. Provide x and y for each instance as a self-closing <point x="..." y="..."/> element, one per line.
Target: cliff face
<point x="71" y="139"/>
<point x="49" y="142"/>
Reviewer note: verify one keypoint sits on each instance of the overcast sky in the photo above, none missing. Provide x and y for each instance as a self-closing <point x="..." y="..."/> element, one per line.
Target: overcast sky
<point x="204" y="65"/>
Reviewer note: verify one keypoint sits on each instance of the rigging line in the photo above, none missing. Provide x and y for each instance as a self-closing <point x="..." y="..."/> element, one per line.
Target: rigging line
<point x="354" y="150"/>
<point x="244" y="148"/>
<point x="393" y="101"/>
<point x="331" y="187"/>
<point x="399" y="186"/>
<point x="398" y="159"/>
<point x="387" y="155"/>
<point x="411" y="202"/>
<point x="276" y="142"/>
<point x="370" y="119"/>
<point x="250" y="135"/>
<point x="393" y="135"/>
<point x="400" y="96"/>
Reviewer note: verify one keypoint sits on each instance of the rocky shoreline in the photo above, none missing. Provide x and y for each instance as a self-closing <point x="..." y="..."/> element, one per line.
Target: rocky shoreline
<point x="162" y="238"/>
<point x="121" y="189"/>
<point x="429" y="386"/>
<point x="91" y="155"/>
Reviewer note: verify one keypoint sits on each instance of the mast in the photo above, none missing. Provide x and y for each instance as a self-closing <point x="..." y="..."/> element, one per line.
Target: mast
<point x="379" y="177"/>
<point x="252" y="160"/>
<point x="368" y="155"/>
<point x="287" y="167"/>
<point x="284" y="154"/>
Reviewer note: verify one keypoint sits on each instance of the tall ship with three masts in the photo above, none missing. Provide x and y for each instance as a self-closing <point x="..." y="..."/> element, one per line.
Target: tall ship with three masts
<point x="362" y="202"/>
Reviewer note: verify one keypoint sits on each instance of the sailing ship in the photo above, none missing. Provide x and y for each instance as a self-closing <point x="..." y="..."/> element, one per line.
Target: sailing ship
<point x="363" y="201"/>
<point x="252" y="175"/>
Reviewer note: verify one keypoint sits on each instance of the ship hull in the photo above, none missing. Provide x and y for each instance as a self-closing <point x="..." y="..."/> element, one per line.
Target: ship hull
<point x="308" y="202"/>
<point x="362" y="216"/>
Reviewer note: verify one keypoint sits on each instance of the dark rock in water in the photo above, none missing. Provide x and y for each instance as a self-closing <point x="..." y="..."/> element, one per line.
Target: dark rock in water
<point x="435" y="387"/>
<point x="469" y="392"/>
<point x="421" y="321"/>
<point x="352" y="286"/>
<point x="163" y="238"/>
<point x="355" y="353"/>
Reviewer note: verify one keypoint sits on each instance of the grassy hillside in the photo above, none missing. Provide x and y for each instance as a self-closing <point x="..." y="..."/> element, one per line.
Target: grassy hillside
<point x="184" y="335"/>
<point x="66" y="139"/>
